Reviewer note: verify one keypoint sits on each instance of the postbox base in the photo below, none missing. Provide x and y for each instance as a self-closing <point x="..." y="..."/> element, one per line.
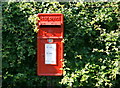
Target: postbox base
<point x="57" y="74"/>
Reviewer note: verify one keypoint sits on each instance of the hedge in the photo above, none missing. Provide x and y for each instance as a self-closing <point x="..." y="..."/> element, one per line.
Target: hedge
<point x="91" y="44"/>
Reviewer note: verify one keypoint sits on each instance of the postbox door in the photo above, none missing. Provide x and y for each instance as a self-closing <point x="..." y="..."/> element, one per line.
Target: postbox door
<point x="53" y="66"/>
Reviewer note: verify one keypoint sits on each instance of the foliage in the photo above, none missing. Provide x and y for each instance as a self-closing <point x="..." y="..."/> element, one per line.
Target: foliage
<point x="91" y="44"/>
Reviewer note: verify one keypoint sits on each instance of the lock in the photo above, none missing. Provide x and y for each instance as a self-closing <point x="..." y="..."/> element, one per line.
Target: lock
<point x="50" y="40"/>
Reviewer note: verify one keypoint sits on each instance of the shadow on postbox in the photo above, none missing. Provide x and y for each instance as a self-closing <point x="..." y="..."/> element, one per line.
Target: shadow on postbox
<point x="50" y="45"/>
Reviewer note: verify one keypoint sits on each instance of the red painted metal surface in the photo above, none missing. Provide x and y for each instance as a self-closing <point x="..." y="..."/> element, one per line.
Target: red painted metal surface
<point x="51" y="29"/>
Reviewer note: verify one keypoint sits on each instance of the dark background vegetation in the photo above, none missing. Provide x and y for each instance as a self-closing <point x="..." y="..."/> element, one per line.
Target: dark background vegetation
<point x="91" y="44"/>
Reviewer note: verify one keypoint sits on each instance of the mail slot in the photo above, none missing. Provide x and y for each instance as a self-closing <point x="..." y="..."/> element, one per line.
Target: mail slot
<point x="50" y="45"/>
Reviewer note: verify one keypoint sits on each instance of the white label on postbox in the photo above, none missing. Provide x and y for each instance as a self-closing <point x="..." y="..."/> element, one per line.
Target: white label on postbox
<point x="50" y="53"/>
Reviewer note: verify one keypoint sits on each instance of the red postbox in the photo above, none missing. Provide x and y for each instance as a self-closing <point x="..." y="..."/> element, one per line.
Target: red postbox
<point x="49" y="44"/>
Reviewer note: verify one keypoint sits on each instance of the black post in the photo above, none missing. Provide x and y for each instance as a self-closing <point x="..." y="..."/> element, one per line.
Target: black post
<point x="50" y="83"/>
